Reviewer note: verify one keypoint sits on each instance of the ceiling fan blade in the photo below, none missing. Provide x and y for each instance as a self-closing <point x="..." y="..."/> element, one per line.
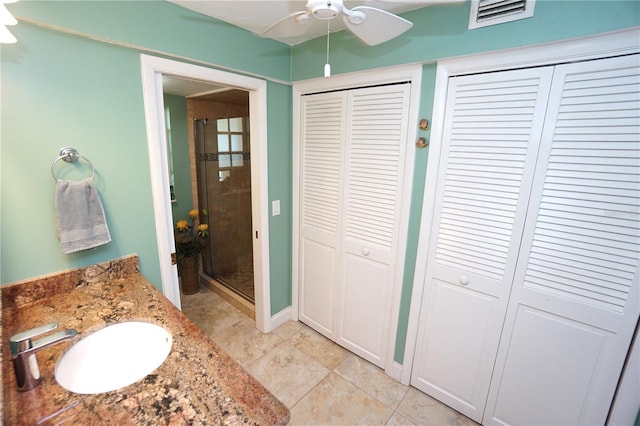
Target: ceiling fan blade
<point x="378" y="26"/>
<point x="289" y="26"/>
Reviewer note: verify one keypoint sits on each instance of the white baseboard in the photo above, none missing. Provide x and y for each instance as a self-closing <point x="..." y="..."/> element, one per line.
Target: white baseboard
<point x="395" y="372"/>
<point x="280" y="318"/>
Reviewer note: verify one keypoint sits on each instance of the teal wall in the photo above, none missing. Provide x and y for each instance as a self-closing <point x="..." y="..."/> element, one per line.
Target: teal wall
<point x="439" y="32"/>
<point x="280" y="188"/>
<point x="59" y="89"/>
<point x="417" y="192"/>
<point x="177" y="106"/>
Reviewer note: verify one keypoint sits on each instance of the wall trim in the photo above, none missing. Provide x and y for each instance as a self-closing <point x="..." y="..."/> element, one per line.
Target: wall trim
<point x="152" y="70"/>
<point x="395" y="371"/>
<point x="281" y="317"/>
<point x="579" y="49"/>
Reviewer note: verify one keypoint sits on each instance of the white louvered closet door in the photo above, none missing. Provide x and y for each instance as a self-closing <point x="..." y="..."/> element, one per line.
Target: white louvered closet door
<point x="576" y="296"/>
<point x="492" y="128"/>
<point x="323" y="156"/>
<point x="376" y="146"/>
<point x="353" y="153"/>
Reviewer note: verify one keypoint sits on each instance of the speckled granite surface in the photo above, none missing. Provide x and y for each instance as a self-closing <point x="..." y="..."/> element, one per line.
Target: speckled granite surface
<point x="197" y="384"/>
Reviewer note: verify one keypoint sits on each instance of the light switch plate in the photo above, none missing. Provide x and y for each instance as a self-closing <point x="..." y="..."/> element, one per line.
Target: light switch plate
<point x="275" y="207"/>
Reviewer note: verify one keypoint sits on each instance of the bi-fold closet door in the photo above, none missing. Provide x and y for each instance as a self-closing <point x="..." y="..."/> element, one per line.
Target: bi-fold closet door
<point x="532" y="293"/>
<point x="353" y="148"/>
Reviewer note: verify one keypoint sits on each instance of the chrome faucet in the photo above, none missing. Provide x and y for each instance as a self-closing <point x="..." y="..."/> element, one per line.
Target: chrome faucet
<point x="23" y="352"/>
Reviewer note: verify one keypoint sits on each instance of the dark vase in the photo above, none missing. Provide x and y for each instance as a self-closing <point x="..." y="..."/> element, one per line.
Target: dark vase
<point x="189" y="275"/>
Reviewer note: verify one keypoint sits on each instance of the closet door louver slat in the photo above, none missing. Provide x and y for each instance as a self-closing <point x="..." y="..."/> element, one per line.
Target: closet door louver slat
<point x="594" y="211"/>
<point x="374" y="157"/>
<point x="487" y="154"/>
<point x="322" y="152"/>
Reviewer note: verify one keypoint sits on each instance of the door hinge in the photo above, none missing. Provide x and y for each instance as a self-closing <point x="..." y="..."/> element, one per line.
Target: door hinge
<point x="173" y="258"/>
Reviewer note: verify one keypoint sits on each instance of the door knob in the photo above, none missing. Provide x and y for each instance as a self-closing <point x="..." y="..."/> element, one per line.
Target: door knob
<point x="365" y="251"/>
<point x="464" y="280"/>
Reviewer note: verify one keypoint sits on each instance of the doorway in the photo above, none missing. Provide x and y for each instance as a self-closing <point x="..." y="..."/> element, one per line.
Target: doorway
<point x="153" y="70"/>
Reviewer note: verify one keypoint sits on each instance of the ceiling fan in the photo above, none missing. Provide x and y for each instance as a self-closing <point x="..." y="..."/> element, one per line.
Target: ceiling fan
<point x="371" y="25"/>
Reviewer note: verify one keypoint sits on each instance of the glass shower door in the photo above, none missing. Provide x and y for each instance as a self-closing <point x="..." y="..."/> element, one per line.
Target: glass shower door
<point x="224" y="196"/>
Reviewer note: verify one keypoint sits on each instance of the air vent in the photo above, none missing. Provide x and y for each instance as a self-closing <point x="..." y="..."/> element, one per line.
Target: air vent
<point x="492" y="12"/>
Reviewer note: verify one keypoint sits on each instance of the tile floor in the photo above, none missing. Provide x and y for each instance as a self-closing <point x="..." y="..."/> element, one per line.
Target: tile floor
<point x="320" y="382"/>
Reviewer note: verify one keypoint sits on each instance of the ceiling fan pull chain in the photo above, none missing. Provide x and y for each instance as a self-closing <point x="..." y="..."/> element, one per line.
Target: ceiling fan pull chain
<point x="327" y="67"/>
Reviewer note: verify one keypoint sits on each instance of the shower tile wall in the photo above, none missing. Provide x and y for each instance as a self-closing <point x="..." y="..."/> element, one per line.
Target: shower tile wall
<point x="197" y="108"/>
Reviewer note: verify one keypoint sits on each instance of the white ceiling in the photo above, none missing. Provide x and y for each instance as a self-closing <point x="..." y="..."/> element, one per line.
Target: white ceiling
<point x="188" y="88"/>
<point x="258" y="15"/>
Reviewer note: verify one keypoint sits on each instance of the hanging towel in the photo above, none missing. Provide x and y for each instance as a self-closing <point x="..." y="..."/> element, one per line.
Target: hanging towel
<point x="80" y="220"/>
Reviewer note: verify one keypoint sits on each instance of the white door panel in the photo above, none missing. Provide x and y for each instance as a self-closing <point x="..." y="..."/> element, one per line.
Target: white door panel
<point x="317" y="296"/>
<point x="580" y="249"/>
<point x="364" y="324"/>
<point x="322" y="155"/>
<point x="376" y="148"/>
<point x="368" y="250"/>
<point x="353" y="153"/>
<point x="472" y="323"/>
<point x="544" y="382"/>
<point x="491" y="134"/>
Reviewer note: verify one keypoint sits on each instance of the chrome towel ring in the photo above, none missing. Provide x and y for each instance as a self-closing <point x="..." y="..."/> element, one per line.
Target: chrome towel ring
<point x="70" y="155"/>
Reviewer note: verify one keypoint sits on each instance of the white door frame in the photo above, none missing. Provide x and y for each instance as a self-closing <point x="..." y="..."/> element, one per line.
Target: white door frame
<point x="152" y="70"/>
<point x="585" y="48"/>
<point x="405" y="73"/>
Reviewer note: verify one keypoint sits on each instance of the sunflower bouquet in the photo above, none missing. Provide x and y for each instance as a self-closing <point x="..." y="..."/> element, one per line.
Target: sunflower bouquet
<point x="190" y="238"/>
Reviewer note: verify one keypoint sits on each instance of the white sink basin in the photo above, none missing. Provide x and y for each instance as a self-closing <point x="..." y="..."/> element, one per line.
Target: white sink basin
<point x="113" y="357"/>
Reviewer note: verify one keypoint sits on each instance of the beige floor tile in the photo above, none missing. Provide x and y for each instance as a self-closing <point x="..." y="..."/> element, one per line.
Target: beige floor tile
<point x="203" y="297"/>
<point x="398" y="420"/>
<point x="319" y="347"/>
<point x="294" y="362"/>
<point x="372" y="380"/>
<point x="210" y="312"/>
<point x="288" y="373"/>
<point x="216" y="320"/>
<point x="421" y="409"/>
<point x="244" y="342"/>
<point x="288" y="329"/>
<point x="335" y="401"/>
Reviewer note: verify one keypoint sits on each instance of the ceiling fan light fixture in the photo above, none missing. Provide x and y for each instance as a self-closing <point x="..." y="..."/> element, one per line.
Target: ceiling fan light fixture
<point x="325" y="9"/>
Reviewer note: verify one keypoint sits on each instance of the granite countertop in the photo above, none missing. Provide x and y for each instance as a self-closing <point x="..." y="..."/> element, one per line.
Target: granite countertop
<point x="197" y="384"/>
